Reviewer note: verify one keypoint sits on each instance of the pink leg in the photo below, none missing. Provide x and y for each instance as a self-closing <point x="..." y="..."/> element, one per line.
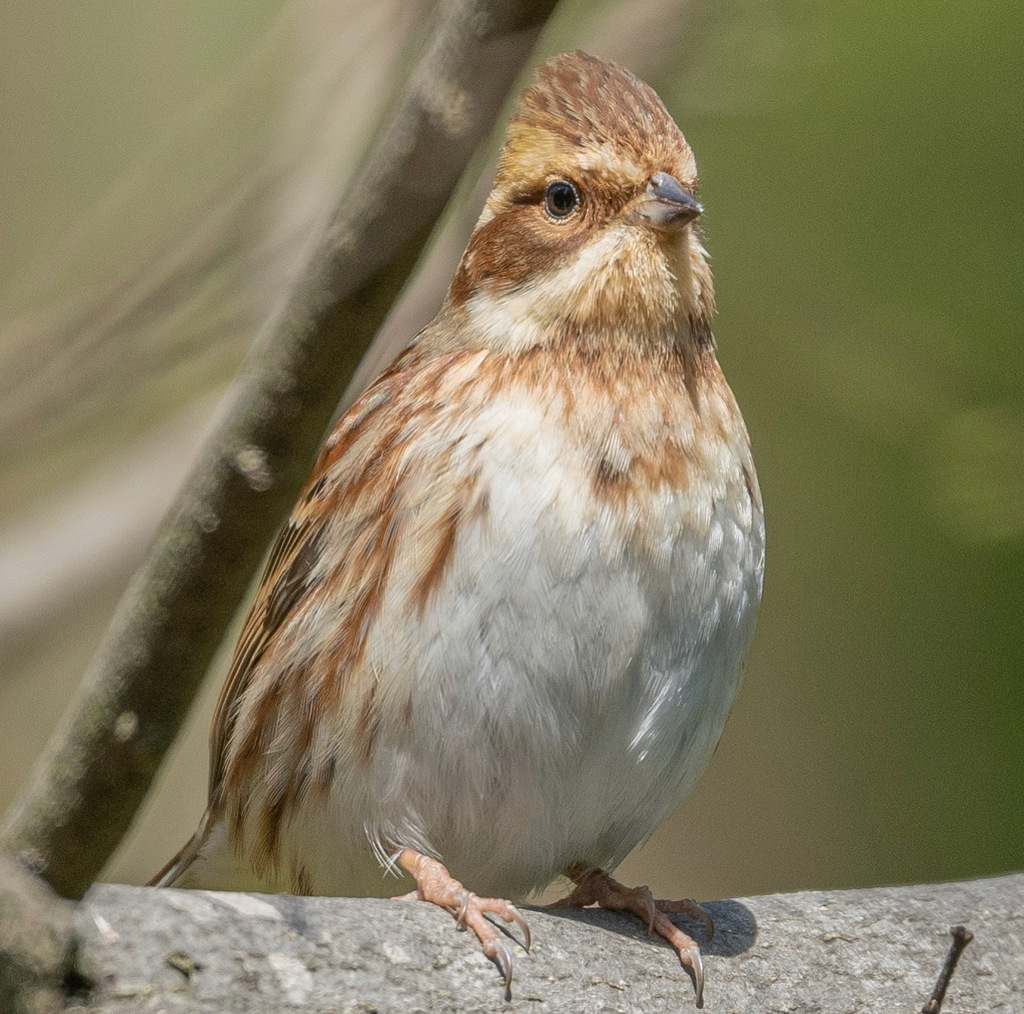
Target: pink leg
<point x="595" y="887"/>
<point x="435" y="884"/>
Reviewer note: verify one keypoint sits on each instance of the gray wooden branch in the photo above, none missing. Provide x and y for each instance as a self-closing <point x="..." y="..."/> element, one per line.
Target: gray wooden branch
<point x="872" y="950"/>
<point x="98" y="767"/>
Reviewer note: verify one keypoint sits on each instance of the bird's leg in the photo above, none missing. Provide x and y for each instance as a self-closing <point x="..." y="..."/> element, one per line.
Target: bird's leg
<point x="595" y="887"/>
<point x="435" y="884"/>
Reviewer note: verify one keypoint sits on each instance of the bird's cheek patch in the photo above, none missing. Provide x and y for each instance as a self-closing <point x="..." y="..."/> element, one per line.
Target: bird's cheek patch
<point x="513" y="246"/>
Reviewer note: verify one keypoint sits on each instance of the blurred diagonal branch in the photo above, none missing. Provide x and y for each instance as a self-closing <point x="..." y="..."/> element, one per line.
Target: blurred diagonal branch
<point x="98" y="766"/>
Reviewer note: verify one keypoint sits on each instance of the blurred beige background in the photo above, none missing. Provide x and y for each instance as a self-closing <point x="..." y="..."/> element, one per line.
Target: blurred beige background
<point x="860" y="167"/>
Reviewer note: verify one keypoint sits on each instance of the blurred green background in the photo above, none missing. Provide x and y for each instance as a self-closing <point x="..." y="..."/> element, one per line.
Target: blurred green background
<point x="861" y="168"/>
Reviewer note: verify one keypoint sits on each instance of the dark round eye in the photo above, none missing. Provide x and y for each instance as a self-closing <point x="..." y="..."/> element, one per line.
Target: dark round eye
<point x="561" y="199"/>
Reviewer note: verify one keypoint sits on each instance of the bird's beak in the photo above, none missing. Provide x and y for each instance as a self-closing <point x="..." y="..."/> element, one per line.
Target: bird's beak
<point x="666" y="205"/>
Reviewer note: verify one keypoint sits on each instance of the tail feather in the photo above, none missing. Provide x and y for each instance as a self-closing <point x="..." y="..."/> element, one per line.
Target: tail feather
<point x="208" y="862"/>
<point x="178" y="865"/>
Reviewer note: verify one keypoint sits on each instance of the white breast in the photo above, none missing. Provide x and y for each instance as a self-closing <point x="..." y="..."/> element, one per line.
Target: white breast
<point x="571" y="676"/>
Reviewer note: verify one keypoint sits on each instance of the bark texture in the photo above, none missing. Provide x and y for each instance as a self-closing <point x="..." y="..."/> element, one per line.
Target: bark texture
<point x="865" y="950"/>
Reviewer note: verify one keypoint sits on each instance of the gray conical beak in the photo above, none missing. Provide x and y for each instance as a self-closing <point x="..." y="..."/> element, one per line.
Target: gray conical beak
<point x="666" y="205"/>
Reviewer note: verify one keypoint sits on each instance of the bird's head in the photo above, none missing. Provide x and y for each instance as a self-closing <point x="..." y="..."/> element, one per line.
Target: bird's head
<point x="590" y="234"/>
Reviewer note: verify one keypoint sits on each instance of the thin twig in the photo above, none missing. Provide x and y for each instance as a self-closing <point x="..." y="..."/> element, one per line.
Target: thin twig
<point x="94" y="774"/>
<point x="961" y="938"/>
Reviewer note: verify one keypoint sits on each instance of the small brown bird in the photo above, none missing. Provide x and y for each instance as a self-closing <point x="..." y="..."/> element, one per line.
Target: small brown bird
<point x="499" y="637"/>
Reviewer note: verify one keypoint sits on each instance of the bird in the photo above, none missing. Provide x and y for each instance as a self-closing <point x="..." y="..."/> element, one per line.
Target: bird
<point x="499" y="636"/>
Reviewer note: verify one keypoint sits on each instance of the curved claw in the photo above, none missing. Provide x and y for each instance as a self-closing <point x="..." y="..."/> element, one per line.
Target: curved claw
<point x="596" y="886"/>
<point x="436" y="885"/>
<point x="518" y="919"/>
<point x="460" y="918"/>
<point x="697" y="970"/>
<point x="687" y="950"/>
<point x="498" y="951"/>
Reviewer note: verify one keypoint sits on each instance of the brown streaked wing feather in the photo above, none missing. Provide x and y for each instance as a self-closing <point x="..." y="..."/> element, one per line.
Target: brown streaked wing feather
<point x="284" y="584"/>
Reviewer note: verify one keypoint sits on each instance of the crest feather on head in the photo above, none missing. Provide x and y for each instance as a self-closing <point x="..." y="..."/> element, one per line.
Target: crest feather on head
<point x="600" y="112"/>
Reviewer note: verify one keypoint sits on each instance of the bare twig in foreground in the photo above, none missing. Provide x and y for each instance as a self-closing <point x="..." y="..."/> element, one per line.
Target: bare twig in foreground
<point x="961" y="938"/>
<point x="95" y="772"/>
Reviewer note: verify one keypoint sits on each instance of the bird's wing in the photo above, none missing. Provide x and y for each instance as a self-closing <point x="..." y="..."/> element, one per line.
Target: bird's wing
<point x="320" y="594"/>
<point x="289" y="579"/>
<point x="286" y="582"/>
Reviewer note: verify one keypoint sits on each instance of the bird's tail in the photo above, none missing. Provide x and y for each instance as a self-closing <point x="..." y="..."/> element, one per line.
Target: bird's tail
<point x="208" y="862"/>
<point x="178" y="865"/>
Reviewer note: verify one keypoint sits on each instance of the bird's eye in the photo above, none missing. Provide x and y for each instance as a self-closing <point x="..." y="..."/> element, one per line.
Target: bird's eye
<point x="561" y="199"/>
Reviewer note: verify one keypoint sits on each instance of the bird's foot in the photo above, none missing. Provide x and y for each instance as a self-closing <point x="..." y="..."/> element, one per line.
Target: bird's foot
<point x="595" y="887"/>
<point x="435" y="884"/>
